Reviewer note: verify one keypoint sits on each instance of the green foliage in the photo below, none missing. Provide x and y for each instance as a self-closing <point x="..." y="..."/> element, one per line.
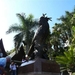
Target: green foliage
<point x="9" y="52"/>
<point x="61" y="32"/>
<point x="25" y="30"/>
<point x="67" y="61"/>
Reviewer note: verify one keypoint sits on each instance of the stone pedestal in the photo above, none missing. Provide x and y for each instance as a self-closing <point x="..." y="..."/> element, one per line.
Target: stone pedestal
<point x="40" y="67"/>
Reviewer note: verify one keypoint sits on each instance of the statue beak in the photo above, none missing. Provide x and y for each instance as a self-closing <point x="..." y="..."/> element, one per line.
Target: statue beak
<point x="50" y="18"/>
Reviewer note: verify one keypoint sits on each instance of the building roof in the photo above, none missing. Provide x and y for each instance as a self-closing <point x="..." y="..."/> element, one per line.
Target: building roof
<point x="18" y="56"/>
<point x="2" y="48"/>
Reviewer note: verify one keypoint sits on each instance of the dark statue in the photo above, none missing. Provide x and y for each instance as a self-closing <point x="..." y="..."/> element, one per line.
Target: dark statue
<point x="38" y="49"/>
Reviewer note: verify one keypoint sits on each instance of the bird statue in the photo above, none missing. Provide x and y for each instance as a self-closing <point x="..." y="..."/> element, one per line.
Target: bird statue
<point x="39" y="39"/>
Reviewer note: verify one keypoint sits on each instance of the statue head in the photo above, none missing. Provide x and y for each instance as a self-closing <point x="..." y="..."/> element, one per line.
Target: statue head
<point x="44" y="19"/>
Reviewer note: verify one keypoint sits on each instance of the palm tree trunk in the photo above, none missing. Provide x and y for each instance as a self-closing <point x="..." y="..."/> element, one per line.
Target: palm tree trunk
<point x="27" y="49"/>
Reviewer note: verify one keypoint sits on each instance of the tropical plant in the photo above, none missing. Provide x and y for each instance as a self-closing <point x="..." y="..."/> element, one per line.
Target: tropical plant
<point x="25" y="30"/>
<point x="62" y="33"/>
<point x="67" y="61"/>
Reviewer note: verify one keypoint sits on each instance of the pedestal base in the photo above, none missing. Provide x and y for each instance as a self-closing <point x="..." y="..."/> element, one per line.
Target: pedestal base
<point x="40" y="67"/>
<point x="41" y="73"/>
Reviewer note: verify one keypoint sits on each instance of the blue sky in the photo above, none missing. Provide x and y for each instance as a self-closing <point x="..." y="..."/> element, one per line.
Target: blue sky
<point x="9" y="8"/>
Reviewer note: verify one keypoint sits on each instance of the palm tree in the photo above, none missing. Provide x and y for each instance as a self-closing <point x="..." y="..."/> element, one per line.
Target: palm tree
<point x="25" y="30"/>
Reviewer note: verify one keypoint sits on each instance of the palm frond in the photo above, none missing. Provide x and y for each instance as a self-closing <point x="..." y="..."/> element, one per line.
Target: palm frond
<point x="24" y="29"/>
<point x="18" y="39"/>
<point x="21" y="18"/>
<point x="14" y="28"/>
